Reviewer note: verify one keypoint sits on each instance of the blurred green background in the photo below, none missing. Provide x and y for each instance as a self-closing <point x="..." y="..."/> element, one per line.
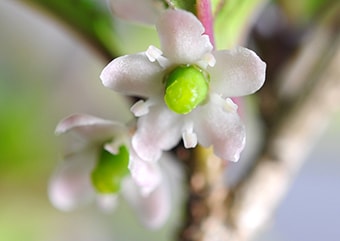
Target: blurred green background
<point x="46" y="74"/>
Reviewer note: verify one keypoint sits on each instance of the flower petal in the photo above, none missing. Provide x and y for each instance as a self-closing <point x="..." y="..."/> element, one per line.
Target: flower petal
<point x="133" y="75"/>
<point x="70" y="186"/>
<point x="154" y="209"/>
<point x="237" y="72"/>
<point x="219" y="125"/>
<point x="181" y="37"/>
<point x="147" y="175"/>
<point x="83" y="130"/>
<point x="141" y="11"/>
<point x="159" y="130"/>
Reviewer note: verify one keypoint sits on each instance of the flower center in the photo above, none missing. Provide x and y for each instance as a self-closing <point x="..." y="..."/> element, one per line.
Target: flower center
<point x="110" y="170"/>
<point x="186" y="87"/>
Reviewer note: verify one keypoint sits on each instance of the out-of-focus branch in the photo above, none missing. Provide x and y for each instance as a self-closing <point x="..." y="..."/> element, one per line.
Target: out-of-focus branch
<point x="215" y="213"/>
<point x="205" y="212"/>
<point x="251" y="203"/>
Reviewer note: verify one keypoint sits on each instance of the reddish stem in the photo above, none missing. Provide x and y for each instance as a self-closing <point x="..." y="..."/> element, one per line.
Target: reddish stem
<point x="204" y="14"/>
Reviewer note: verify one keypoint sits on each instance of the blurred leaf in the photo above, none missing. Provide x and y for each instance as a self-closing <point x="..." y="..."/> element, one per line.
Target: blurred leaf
<point x="188" y="5"/>
<point x="89" y="18"/>
<point x="232" y="19"/>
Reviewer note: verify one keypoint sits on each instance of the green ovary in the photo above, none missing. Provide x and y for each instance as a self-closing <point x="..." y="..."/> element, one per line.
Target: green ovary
<point x="186" y="87"/>
<point x="110" y="171"/>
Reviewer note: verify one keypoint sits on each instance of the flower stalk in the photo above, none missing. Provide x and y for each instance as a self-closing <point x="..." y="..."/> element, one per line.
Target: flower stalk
<point x="204" y="14"/>
<point x="205" y="209"/>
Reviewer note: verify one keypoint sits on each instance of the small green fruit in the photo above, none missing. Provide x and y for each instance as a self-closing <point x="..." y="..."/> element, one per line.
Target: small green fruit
<point x="110" y="170"/>
<point x="186" y="87"/>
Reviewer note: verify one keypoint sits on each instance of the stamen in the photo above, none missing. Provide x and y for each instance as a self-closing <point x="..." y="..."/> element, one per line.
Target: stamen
<point x="210" y="59"/>
<point x="230" y="106"/>
<point x="113" y="146"/>
<point x="207" y="60"/>
<point x="189" y="137"/>
<point x="153" y="53"/>
<point x="140" y="108"/>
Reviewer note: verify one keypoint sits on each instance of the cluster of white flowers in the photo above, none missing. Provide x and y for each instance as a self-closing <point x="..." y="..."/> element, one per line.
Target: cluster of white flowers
<point x="185" y="88"/>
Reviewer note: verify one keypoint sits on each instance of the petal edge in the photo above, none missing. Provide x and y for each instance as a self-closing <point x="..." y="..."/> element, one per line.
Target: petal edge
<point x="237" y="72"/>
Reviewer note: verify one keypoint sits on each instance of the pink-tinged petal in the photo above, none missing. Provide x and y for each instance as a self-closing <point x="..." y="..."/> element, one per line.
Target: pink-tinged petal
<point x="88" y="126"/>
<point x="70" y="186"/>
<point x="217" y="124"/>
<point x="81" y="131"/>
<point x="133" y="75"/>
<point x="141" y="11"/>
<point x="237" y="72"/>
<point x="181" y="37"/>
<point x="153" y="210"/>
<point x="159" y="130"/>
<point x="147" y="175"/>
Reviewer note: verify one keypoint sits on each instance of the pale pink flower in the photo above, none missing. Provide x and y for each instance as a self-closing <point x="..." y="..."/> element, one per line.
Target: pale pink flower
<point x="214" y="122"/>
<point x="84" y="137"/>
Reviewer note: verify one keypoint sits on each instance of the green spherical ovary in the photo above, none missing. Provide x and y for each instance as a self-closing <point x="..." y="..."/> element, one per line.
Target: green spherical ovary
<point x="186" y="87"/>
<point x="110" y="170"/>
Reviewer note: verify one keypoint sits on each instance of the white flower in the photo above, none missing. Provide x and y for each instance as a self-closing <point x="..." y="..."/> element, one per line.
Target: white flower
<point x="187" y="88"/>
<point x="154" y="209"/>
<point x="85" y="138"/>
